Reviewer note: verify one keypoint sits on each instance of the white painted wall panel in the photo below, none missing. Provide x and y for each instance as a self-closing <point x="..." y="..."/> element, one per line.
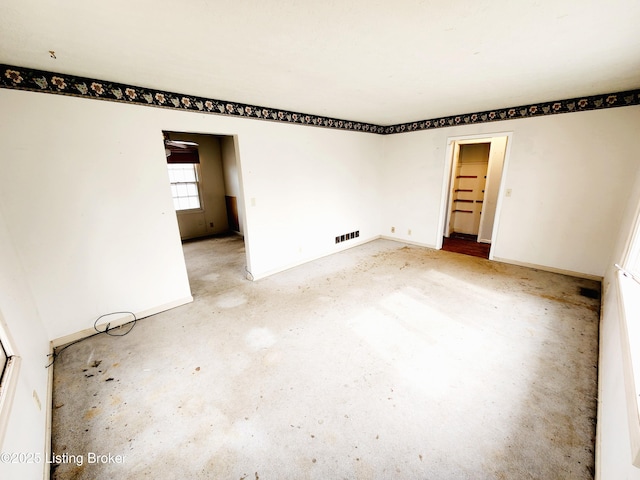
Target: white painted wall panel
<point x="614" y="447"/>
<point x="613" y="460"/>
<point x="89" y="225"/>
<point x="27" y="427"/>
<point x="569" y="175"/>
<point x="87" y="200"/>
<point x="303" y="187"/>
<point x="412" y="185"/>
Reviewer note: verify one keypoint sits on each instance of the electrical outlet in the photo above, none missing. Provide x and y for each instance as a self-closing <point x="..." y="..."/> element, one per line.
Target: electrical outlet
<point x="508" y="192"/>
<point x="393" y="229"/>
<point x="409" y="232"/>
<point x="211" y="224"/>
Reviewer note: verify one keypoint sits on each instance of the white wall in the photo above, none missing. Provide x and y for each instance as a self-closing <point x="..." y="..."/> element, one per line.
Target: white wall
<point x="614" y="451"/>
<point x="569" y="175"/>
<point x="88" y="223"/>
<point x="412" y="183"/>
<point x="303" y="186"/>
<point x="88" y="204"/>
<point x="27" y="427"/>
<point x="85" y="190"/>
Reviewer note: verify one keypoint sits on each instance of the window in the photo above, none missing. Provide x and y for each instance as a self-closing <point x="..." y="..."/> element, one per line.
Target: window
<point x="183" y="162"/>
<point x="9" y="368"/>
<point x="631" y="262"/>
<point x="629" y="298"/>
<point x="3" y="359"/>
<point x="184" y="185"/>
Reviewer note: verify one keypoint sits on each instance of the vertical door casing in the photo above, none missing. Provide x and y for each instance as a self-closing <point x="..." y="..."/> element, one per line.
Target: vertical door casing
<point x="497" y="154"/>
<point x="452" y="174"/>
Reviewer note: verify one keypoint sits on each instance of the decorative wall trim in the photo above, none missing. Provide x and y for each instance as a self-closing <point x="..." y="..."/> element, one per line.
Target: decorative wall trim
<point x="20" y="78"/>
<point x="578" y="104"/>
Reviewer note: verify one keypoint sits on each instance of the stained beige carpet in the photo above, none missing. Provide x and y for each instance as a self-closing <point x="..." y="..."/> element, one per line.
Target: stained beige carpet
<point x="384" y="361"/>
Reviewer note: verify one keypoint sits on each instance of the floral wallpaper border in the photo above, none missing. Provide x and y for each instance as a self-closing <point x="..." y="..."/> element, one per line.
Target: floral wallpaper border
<point x="50" y="82"/>
<point x="20" y="78"/>
<point x="578" y="104"/>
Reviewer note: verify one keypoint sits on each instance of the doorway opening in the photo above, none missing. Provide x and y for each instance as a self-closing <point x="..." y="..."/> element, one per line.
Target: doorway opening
<point x="206" y="185"/>
<point x="473" y="186"/>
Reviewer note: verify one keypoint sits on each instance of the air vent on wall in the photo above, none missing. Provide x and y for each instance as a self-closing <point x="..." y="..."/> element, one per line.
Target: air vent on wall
<point x="347" y="236"/>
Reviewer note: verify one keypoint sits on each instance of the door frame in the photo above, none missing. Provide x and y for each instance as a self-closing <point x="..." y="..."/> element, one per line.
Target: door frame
<point x="455" y="156"/>
<point x="242" y="205"/>
<point x="451" y="157"/>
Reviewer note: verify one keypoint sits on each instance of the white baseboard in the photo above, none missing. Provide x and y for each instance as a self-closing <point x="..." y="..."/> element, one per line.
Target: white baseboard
<point x="545" y="268"/>
<point x="115" y="322"/>
<point x="326" y="254"/>
<point x="409" y="242"/>
<point x="268" y="273"/>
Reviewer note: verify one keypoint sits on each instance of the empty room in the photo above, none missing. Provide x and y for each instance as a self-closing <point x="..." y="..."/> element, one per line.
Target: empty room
<point x="355" y="240"/>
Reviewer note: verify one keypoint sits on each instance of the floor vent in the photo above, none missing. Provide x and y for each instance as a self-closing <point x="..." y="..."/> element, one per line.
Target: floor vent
<point x="347" y="236"/>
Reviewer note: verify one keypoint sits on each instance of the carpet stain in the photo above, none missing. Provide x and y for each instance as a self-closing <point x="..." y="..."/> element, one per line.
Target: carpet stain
<point x="92" y="413"/>
<point x="590" y="293"/>
<point x="489" y="369"/>
<point x="569" y="301"/>
<point x="260" y="338"/>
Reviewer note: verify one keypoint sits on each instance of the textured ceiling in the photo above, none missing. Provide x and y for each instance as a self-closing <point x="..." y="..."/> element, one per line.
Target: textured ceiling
<point x="365" y="60"/>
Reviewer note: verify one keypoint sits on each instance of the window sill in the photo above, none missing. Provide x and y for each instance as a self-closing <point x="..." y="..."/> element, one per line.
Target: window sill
<point x="629" y="298"/>
<point x="190" y="210"/>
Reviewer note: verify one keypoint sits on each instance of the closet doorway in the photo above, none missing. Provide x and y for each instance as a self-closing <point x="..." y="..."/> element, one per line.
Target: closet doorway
<point x="473" y="185"/>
